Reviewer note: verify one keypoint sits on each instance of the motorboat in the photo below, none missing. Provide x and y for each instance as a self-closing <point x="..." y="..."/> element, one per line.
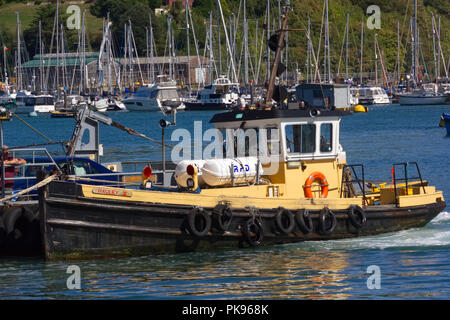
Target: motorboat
<point x="372" y="95"/>
<point x="220" y="95"/>
<point x="27" y="102"/>
<point x="158" y="97"/>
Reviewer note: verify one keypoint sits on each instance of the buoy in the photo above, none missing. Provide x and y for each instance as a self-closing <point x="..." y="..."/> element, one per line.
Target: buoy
<point x="360" y="108"/>
<point x="33" y="114"/>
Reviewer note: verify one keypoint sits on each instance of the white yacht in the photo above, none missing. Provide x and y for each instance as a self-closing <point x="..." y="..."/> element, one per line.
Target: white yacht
<point x="162" y="96"/>
<point x="428" y="94"/>
<point x="372" y="95"/>
<point x="29" y="103"/>
<point x="220" y="95"/>
<point x="108" y="104"/>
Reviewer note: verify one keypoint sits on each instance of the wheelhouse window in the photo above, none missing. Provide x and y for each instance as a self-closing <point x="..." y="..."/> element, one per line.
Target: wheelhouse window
<point x="252" y="142"/>
<point x="326" y="137"/>
<point x="301" y="138"/>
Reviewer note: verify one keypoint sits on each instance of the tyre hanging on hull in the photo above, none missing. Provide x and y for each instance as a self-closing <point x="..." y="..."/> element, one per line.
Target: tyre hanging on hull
<point x="253" y="232"/>
<point x="304" y="221"/>
<point x="357" y="216"/>
<point x="327" y="221"/>
<point x="22" y="231"/>
<point x="199" y="222"/>
<point x="284" y="220"/>
<point x="221" y="217"/>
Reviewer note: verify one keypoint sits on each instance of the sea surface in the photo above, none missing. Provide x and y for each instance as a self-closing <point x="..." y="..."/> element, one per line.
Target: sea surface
<point x="411" y="264"/>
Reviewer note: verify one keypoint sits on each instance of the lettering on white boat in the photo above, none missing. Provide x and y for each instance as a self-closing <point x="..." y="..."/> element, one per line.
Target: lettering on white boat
<point x="112" y="192"/>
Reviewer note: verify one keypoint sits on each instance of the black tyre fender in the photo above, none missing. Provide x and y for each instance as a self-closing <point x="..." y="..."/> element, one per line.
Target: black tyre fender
<point x="253" y="232"/>
<point x="304" y="221"/>
<point x="324" y="216"/>
<point x="221" y="217"/>
<point x="357" y="216"/>
<point x="199" y="222"/>
<point x="284" y="220"/>
<point x="10" y="217"/>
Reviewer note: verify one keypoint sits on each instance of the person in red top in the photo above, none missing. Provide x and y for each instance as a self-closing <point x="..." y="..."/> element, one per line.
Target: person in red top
<point x="10" y="169"/>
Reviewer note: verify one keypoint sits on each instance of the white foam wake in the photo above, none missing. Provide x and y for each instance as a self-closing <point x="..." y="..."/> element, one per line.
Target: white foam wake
<point x="434" y="234"/>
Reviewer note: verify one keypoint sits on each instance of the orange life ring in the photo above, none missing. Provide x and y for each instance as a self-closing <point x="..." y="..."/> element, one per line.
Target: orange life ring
<point x="323" y="184"/>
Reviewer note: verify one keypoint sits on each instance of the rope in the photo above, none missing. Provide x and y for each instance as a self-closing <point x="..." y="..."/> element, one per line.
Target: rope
<point x="99" y="180"/>
<point x="35" y="130"/>
<point x="38" y="145"/>
<point x="36" y="186"/>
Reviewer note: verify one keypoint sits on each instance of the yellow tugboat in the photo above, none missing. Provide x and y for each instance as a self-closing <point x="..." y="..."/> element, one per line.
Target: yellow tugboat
<point x="305" y="190"/>
<point x="284" y="179"/>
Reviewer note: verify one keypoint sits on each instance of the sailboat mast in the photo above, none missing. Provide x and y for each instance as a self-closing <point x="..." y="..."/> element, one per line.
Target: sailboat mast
<point x="6" y="70"/>
<point x="268" y="38"/>
<point x="415" y="70"/>
<point x="41" y="52"/>
<point x="361" y="58"/>
<point x="227" y="41"/>
<point x="210" y="50"/>
<point x="246" y="80"/>
<point x="376" y="60"/>
<point x="398" y="53"/>
<point x="327" y="67"/>
<point x="152" y="66"/>
<point x="438" y="74"/>
<point x="308" y="51"/>
<point x="19" y="57"/>
<point x="433" y="26"/>
<point x="346" y="47"/>
<point x="186" y="7"/>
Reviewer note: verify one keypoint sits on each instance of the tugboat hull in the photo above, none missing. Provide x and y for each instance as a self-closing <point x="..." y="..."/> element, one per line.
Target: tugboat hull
<point x="76" y="227"/>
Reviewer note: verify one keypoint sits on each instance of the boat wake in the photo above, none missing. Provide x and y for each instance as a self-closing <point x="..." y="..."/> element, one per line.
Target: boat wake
<point x="434" y="234"/>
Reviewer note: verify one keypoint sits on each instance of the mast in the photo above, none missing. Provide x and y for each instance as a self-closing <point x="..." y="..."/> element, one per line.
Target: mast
<point x="186" y="9"/>
<point x="361" y="59"/>
<point x="246" y="81"/>
<point x="41" y="52"/>
<point x="228" y="41"/>
<point x="327" y="67"/>
<point x="19" y="57"/>
<point x="169" y="36"/>
<point x="6" y="70"/>
<point x="308" y="51"/>
<point x="438" y="74"/>
<point x="210" y="49"/>
<point x="346" y="47"/>
<point x="415" y="67"/>
<point x="268" y="38"/>
<point x="376" y="60"/>
<point x="277" y="57"/>
<point x="83" y="55"/>
<point x="434" y="45"/>
<point x="152" y="66"/>
<point x="57" y="48"/>
<point x="398" y="53"/>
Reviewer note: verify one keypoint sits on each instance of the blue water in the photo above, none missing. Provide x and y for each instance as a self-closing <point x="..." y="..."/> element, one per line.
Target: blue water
<point x="413" y="264"/>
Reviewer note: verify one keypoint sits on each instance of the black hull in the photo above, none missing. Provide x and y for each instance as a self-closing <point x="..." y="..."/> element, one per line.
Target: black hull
<point x="194" y="106"/>
<point x="74" y="227"/>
